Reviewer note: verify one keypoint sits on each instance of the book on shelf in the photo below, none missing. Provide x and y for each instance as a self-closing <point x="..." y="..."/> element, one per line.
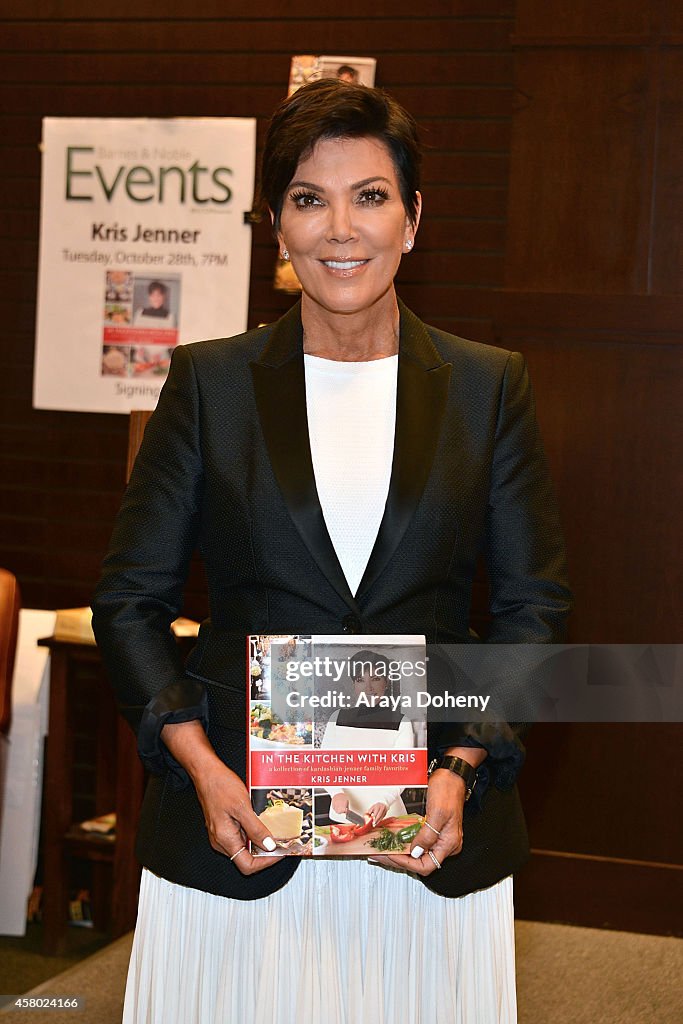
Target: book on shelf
<point x="104" y="824"/>
<point x="74" y="625"/>
<point x="337" y="742"/>
<point x="80" y="910"/>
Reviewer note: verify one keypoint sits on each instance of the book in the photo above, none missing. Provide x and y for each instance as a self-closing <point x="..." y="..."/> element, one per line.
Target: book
<point x="337" y="742"/>
<point x="80" y="911"/>
<point x="105" y="824"/>
<point x="74" y="625"/>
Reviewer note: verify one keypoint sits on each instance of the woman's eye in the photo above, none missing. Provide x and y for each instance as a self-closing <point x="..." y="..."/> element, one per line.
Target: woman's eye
<point x="373" y="196"/>
<point x="305" y="200"/>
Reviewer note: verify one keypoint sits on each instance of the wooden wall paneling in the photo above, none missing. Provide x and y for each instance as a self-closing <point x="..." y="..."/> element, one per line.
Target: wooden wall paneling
<point x="268" y="11"/>
<point x="578" y="195"/>
<point x="641" y="319"/>
<point x="585" y="180"/>
<point x="607" y="851"/>
<point x="672" y="23"/>
<point x="491" y="135"/>
<point x="617" y="471"/>
<point x="590" y="138"/>
<point x="272" y="42"/>
<point x="143" y="68"/>
<point x="612" y="22"/>
<point x="578" y="819"/>
<point x="667" y="234"/>
<point x="594" y="892"/>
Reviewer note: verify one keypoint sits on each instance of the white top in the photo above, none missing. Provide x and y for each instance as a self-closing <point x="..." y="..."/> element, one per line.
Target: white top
<point x="348" y="737"/>
<point x="351" y="411"/>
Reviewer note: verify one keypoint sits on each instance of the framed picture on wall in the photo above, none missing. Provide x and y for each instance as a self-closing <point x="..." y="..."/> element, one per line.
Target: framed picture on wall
<point x="307" y="68"/>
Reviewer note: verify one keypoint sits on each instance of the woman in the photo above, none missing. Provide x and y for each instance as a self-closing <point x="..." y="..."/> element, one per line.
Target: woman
<point x="253" y="454"/>
<point x="371" y="727"/>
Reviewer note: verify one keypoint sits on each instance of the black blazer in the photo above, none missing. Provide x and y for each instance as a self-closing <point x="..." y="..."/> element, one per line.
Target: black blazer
<point x="225" y="464"/>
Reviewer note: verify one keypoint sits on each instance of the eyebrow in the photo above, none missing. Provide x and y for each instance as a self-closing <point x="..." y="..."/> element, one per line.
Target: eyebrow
<point x="354" y="187"/>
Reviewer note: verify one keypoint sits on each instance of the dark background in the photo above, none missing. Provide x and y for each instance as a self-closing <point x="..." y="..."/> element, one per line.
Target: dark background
<point x="553" y="224"/>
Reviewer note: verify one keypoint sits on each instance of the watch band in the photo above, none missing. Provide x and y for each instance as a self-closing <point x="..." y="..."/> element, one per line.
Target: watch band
<point x="456" y="764"/>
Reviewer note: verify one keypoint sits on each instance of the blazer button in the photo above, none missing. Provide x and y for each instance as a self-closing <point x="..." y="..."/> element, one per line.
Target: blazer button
<point x="351" y="624"/>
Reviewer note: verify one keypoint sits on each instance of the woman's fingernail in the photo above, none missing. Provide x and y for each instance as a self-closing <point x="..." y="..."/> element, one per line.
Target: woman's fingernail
<point x="373" y="860"/>
<point x="416" y="852"/>
<point x="269" y="844"/>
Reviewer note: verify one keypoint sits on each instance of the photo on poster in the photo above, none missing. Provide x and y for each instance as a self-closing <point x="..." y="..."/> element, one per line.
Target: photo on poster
<point x="115" y="360"/>
<point x="141" y="313"/>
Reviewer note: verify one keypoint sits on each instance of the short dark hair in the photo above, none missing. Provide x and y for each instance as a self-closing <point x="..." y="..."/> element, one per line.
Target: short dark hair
<point x="157" y="286"/>
<point x="330" y="109"/>
<point x="376" y="662"/>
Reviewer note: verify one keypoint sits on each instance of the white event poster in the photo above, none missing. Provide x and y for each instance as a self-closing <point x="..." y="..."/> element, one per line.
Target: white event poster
<point x="143" y="247"/>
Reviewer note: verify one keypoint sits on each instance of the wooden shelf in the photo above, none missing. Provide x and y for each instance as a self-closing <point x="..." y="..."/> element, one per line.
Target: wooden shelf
<point x="119" y="787"/>
<point x="90" y="845"/>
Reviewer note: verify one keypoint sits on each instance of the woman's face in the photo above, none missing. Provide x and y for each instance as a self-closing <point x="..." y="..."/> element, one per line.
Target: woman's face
<point x="344" y="225"/>
<point x="373" y="686"/>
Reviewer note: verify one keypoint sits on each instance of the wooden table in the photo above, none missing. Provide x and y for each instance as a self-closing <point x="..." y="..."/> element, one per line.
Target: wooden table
<point x="119" y="786"/>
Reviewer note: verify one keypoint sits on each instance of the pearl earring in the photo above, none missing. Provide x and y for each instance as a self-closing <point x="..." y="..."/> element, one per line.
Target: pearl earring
<point x="285" y="254"/>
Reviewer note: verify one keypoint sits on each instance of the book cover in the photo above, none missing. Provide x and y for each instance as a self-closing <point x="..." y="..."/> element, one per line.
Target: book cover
<point x="337" y="742"/>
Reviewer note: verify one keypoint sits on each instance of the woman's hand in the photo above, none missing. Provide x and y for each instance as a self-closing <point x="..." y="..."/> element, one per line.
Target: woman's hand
<point x="445" y="802"/>
<point x="377" y="812"/>
<point x="229" y="817"/>
<point x="340" y="803"/>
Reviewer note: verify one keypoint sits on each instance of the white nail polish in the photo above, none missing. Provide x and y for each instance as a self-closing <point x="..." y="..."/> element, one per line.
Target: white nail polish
<point x="269" y="844"/>
<point x="416" y="852"/>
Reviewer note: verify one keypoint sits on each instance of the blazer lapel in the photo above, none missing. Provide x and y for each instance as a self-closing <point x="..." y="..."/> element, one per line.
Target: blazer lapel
<point x="422" y="389"/>
<point x="280" y="391"/>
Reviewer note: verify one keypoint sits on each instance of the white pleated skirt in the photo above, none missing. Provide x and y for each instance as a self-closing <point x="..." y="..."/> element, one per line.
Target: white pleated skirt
<point x="344" y="942"/>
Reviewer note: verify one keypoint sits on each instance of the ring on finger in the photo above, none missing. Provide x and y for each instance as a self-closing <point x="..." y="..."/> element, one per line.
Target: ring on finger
<point x="435" y="859"/>
<point x="427" y="825"/>
<point x="241" y="850"/>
